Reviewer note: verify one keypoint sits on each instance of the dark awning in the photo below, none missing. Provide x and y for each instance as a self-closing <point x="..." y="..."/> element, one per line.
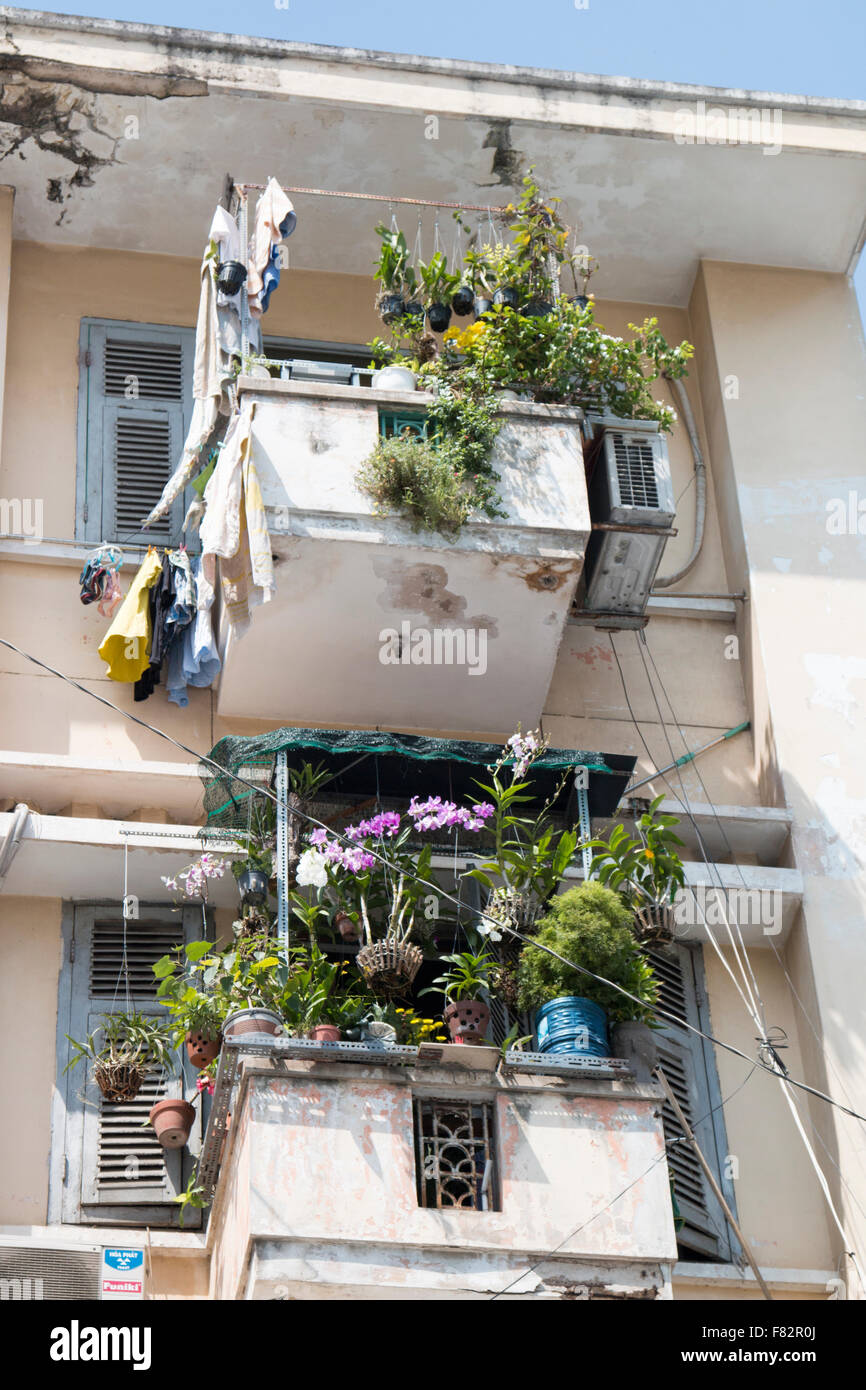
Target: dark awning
<point x="365" y="763"/>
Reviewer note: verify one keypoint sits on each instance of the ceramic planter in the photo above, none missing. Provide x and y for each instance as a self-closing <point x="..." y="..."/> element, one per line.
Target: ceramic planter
<point x="325" y="1032"/>
<point x="461" y="301"/>
<point x="230" y="276"/>
<point x="572" y="1024"/>
<point x="467" y="1020"/>
<point x="201" y="1048"/>
<point x="394" y="378"/>
<point x="253" y="887"/>
<point x="172" y="1121"/>
<point x="244" y="1021"/>
<point x="636" y="1043"/>
<point x="439" y="317"/>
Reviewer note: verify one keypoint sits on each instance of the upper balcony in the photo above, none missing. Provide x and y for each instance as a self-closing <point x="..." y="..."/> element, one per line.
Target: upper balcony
<point x="428" y="633"/>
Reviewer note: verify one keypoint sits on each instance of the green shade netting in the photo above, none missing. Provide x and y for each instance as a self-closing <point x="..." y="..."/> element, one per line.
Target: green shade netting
<point x="365" y="763"/>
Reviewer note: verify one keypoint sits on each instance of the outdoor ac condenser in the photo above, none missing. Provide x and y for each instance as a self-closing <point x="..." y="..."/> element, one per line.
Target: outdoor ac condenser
<point x="629" y="484"/>
<point x="39" y="1268"/>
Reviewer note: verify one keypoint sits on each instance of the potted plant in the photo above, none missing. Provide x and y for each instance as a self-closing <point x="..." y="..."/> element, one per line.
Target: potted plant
<point x="197" y="1015"/>
<point x="122" y="1050"/>
<point x="466" y="1013"/>
<point x="645" y="869"/>
<point x="172" y="1120"/>
<point x="590" y="927"/>
<point x="438" y="285"/>
<point x="305" y="1004"/>
<point x="394" y="274"/>
<point x="253" y="874"/>
<point x="245" y="981"/>
<point x="528" y="858"/>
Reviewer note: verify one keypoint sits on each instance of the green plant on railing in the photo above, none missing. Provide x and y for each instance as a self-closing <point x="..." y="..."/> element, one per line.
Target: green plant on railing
<point x="591" y="927"/>
<point x="467" y="978"/>
<point x="645" y="869"/>
<point x="190" y="1009"/>
<point x="193" y="1197"/>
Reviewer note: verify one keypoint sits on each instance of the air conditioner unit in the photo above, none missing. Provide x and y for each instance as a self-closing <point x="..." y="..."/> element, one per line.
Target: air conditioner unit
<point x="629" y="485"/>
<point x="37" y="1269"/>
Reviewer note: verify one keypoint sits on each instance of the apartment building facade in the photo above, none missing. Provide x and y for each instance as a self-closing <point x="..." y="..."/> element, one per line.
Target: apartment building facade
<point x="736" y="219"/>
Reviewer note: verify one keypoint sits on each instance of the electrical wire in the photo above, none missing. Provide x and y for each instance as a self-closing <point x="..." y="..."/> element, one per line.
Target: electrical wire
<point x="436" y="888"/>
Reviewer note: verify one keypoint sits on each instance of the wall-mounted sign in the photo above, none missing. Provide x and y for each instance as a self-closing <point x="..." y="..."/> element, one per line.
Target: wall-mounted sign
<point x="122" y="1272"/>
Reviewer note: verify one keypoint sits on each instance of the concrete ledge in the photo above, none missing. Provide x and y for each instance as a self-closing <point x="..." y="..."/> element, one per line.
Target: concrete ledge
<point x="725" y="1277"/>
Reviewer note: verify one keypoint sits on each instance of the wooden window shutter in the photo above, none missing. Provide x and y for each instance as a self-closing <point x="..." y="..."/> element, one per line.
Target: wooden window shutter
<point x="689" y="1065"/>
<point x="135" y="405"/>
<point x="116" y="1171"/>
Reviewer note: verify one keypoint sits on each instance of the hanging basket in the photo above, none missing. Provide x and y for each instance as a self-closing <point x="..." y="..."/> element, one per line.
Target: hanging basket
<point x="654" y="924"/>
<point x="514" y="907"/>
<point x="389" y="967"/>
<point x="118" y="1081"/>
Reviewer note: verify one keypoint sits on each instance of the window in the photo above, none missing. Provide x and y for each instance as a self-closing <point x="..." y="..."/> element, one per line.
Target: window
<point x="134" y="409"/>
<point x="688" y="1063"/>
<point x="454" y="1155"/>
<point x="106" y="1164"/>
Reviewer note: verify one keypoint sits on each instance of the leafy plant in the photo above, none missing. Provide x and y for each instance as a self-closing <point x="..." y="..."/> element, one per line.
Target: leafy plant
<point x="191" y="1010"/>
<point x="131" y="1039"/>
<point x="193" y="1196"/>
<point x="437" y="282"/>
<point x="591" y="927"/>
<point x="645" y="869"/>
<point x="393" y="271"/>
<point x="468" y="976"/>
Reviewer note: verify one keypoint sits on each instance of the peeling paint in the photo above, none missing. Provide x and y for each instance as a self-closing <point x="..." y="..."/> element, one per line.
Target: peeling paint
<point x="423" y="588"/>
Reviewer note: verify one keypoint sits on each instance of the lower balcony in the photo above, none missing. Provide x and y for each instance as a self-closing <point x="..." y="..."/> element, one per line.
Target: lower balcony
<point x="454" y="1177"/>
<point x="428" y="634"/>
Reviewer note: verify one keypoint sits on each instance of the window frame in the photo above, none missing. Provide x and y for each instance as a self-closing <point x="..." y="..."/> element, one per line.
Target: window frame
<point x="66" y="1204"/>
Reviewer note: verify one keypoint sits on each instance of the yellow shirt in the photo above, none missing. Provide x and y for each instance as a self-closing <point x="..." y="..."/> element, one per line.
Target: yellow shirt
<point x="126" y="645"/>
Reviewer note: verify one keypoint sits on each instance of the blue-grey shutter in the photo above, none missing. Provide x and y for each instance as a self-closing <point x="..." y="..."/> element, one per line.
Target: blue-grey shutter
<point x="135" y="404"/>
<point x="116" y="1170"/>
<point x="689" y="1066"/>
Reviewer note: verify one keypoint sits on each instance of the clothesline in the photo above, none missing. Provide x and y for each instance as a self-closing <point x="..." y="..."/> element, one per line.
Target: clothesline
<point x="243" y="188"/>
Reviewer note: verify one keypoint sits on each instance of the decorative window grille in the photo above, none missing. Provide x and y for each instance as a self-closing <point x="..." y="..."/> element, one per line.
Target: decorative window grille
<point x="398" y="425"/>
<point x="455" y="1155"/>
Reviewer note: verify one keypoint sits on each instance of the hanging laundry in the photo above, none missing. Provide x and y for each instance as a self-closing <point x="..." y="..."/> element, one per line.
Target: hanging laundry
<point x="225" y="234"/>
<point x="235" y="525"/>
<point x="111" y="595"/>
<point x="195" y="660"/>
<point x="173" y="609"/>
<point x="275" y="220"/>
<point x="98" y="578"/>
<point x="126" y="646"/>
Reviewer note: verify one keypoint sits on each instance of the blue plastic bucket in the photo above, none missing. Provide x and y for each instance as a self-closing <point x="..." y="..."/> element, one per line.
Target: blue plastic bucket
<point x="574" y="1025"/>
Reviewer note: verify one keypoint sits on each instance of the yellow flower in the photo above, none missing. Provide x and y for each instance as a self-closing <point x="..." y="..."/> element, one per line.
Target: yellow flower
<point x="450" y="334"/>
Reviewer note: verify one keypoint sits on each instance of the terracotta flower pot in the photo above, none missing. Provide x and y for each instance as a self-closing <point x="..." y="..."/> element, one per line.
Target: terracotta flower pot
<point x="201" y="1048"/>
<point x="346" y="926"/>
<point x="325" y="1032"/>
<point x="172" y="1120"/>
<point x="467" y="1020"/>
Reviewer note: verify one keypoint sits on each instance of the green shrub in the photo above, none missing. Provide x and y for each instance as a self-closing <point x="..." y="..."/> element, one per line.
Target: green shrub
<point x="419" y="480"/>
<point x="591" y="926"/>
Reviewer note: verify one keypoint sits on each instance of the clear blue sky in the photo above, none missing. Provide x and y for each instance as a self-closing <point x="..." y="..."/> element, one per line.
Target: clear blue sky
<point x="817" y="47"/>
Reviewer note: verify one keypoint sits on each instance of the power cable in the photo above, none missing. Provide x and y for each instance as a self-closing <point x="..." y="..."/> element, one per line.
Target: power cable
<point x="436" y="888"/>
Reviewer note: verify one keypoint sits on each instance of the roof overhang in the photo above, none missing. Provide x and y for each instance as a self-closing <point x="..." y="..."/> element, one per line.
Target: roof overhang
<point x="125" y="133"/>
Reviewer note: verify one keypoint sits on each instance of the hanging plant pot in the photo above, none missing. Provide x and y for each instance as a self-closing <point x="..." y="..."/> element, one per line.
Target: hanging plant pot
<point x="391" y="308"/>
<point x="507" y="296"/>
<point x="467" y="1020"/>
<point x="413" y="308"/>
<point x="230" y="276"/>
<point x="538" y="308"/>
<point x="461" y="301"/>
<point x="519" y="908"/>
<point x="202" y="1049"/>
<point x="117" y="1081"/>
<point x="346" y="926"/>
<point x="581" y="300"/>
<point x="572" y="1024"/>
<point x="482" y="305"/>
<point x="253" y="887"/>
<point x="244" y="1021"/>
<point x="379" y="1034"/>
<point x="439" y="317"/>
<point x="172" y="1121"/>
<point x="654" y="924"/>
<point x="389" y="967"/>
<point x="325" y="1032"/>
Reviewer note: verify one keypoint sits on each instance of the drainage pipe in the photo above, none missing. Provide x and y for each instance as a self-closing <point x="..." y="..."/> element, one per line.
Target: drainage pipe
<point x="12" y="839"/>
<point x="700" y="486"/>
